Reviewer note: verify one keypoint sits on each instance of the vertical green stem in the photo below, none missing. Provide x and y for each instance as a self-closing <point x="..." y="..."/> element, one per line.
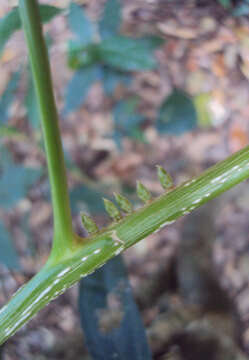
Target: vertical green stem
<point x="63" y="231"/>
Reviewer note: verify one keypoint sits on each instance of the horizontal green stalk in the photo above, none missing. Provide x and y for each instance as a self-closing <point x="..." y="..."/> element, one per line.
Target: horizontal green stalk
<point x="96" y="250"/>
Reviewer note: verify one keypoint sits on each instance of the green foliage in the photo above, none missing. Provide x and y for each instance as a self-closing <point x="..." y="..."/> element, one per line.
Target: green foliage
<point x="8" y="96"/>
<point x="127" y="121"/>
<point x="111" y="19"/>
<point x="79" y="86"/>
<point x="80" y="25"/>
<point x="10" y="23"/>
<point x="177" y="114"/>
<point x="123" y="337"/>
<point x="111" y="78"/>
<point x="115" y="55"/>
<point x="8" y="255"/>
<point x="14" y="177"/>
<point x="81" y="56"/>
<point x="77" y="257"/>
<point x="126" y="54"/>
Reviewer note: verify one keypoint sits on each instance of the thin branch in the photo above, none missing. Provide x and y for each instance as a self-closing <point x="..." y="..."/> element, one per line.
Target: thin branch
<point x="56" y="277"/>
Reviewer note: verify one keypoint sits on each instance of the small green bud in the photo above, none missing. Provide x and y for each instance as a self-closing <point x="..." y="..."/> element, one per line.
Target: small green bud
<point x="143" y="193"/>
<point x="89" y="224"/>
<point x="164" y="177"/>
<point x="124" y="203"/>
<point x="112" y="210"/>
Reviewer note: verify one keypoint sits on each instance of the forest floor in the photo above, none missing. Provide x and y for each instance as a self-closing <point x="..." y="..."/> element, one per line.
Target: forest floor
<point x="206" y="51"/>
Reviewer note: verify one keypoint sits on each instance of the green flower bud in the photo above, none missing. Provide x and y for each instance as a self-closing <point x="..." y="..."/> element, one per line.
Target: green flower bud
<point x="124" y="203"/>
<point x="89" y="224"/>
<point x="112" y="210"/>
<point x="143" y="193"/>
<point x="164" y="177"/>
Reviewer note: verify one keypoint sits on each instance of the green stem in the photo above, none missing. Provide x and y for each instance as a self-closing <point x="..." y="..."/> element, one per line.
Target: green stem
<point x="55" y="278"/>
<point x="63" y="231"/>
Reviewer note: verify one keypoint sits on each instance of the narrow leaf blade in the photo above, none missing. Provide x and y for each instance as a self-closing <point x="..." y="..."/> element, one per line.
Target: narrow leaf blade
<point x="109" y="315"/>
<point x="126" y="54"/>
<point x="78" y="87"/>
<point x="111" y="19"/>
<point x="79" y="24"/>
<point x="48" y="12"/>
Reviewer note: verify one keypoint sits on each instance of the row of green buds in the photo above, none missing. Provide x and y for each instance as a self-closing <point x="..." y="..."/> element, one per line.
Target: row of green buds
<point x="124" y="204"/>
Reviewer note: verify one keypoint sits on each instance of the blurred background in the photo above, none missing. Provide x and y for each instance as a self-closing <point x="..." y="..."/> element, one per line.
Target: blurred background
<point x="137" y="83"/>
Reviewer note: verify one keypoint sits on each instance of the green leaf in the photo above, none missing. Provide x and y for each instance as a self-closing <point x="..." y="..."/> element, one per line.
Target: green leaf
<point x="126" y="54"/>
<point x="8" y="96"/>
<point x="78" y="87"/>
<point x="111" y="19"/>
<point x="12" y="22"/>
<point x="111" y="78"/>
<point x="79" y="55"/>
<point x="127" y="120"/>
<point x="15" y="181"/>
<point x="79" y="24"/>
<point x="109" y="316"/>
<point x="48" y="12"/>
<point x="177" y="114"/>
<point x="150" y="42"/>
<point x="125" y="113"/>
<point x="8" y="255"/>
